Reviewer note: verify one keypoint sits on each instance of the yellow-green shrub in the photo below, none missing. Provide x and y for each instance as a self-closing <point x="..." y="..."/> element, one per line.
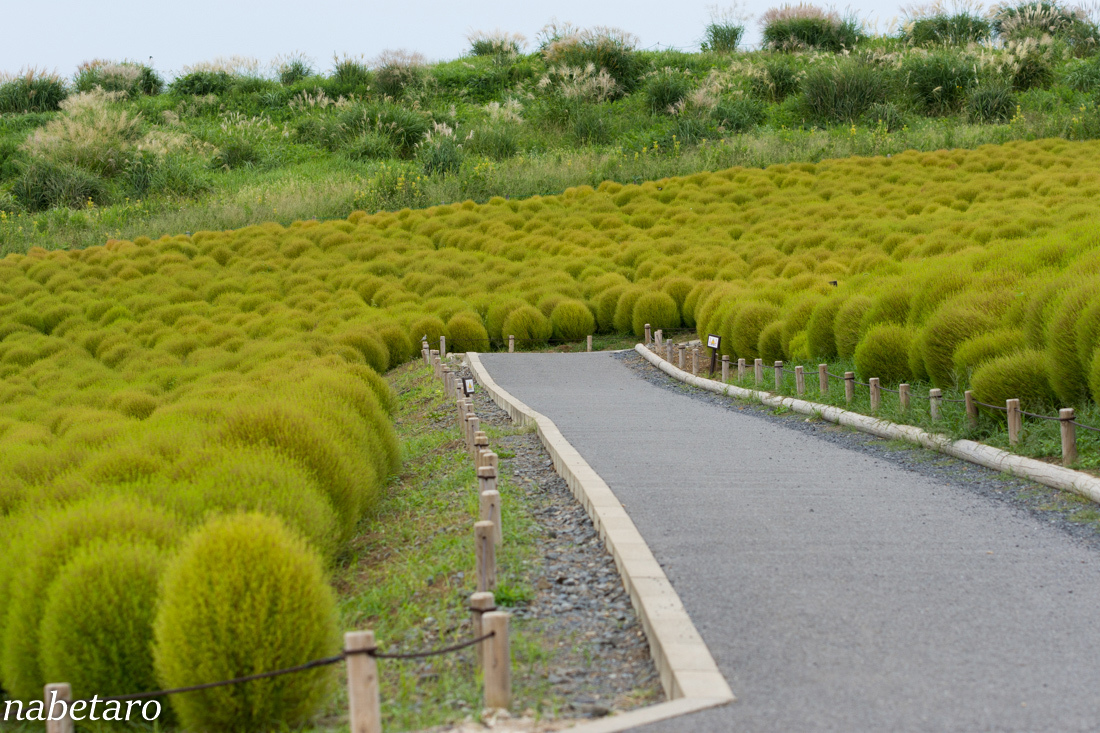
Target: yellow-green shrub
<point x="244" y="583"/>
<point x="97" y="622"/>
<point x="747" y="325"/>
<point x="572" y="321"/>
<point x="1021" y="376"/>
<point x="429" y="326"/>
<point x="846" y="325"/>
<point x="658" y="310"/>
<point x="820" y="336"/>
<point x="467" y="333"/>
<point x="974" y="352"/>
<point x="529" y="326"/>
<point x="498" y="312"/>
<point x="1067" y="370"/>
<point x="770" y="343"/>
<point x="883" y="352"/>
<point x="623" y="320"/>
<point x="949" y="327"/>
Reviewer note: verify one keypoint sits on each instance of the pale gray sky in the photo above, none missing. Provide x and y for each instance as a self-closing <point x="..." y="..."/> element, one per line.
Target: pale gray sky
<point x="59" y="34"/>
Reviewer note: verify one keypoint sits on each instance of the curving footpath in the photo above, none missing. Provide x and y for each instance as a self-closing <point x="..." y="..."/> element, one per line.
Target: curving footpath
<point x="836" y="591"/>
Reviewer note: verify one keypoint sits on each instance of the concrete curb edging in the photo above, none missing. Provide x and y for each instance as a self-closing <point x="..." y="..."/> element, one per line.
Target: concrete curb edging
<point x="689" y="675"/>
<point x="1047" y="474"/>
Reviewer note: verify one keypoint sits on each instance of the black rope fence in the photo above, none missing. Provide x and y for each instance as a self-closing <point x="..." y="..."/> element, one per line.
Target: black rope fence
<point x="315" y="664"/>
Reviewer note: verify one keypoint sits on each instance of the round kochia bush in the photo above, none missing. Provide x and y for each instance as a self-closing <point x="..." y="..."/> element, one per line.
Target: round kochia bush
<point x="528" y="325"/>
<point x="243" y="596"/>
<point x="884" y="353"/>
<point x="467" y="333"/>
<point x="1021" y="376"/>
<point x="97" y="624"/>
<point x="658" y="310"/>
<point x="572" y="320"/>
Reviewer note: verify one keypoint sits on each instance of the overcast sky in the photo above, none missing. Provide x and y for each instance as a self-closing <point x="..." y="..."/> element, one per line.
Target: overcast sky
<point x="59" y="34"/>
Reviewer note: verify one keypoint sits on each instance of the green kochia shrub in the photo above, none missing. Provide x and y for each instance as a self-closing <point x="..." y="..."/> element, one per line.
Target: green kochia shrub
<point x="369" y="344"/>
<point x="946" y="330"/>
<point x="658" y="310"/>
<point x="770" y="344"/>
<point x="821" y="338"/>
<point x="1021" y="376"/>
<point x="606" y="305"/>
<point x="498" y="312"/>
<point x="430" y="327"/>
<point x="846" y="324"/>
<point x="974" y="352"/>
<point x="844" y="92"/>
<point x="884" y="353"/>
<point x="624" y="309"/>
<point x="397" y="343"/>
<point x="97" y="624"/>
<point x="467" y="333"/>
<point x="1067" y="368"/>
<point x="529" y="326"/>
<point x="33" y="561"/>
<point x="572" y="321"/>
<point x="246" y="584"/>
<point x="750" y="321"/>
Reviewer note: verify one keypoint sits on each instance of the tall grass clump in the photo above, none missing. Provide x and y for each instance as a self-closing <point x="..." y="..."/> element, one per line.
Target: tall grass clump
<point x="607" y="49"/>
<point x="939" y="81"/>
<point x="293" y="68"/>
<point x="1014" y="21"/>
<point x="991" y="104"/>
<point x="724" y="31"/>
<point x="664" y="88"/>
<point x="238" y="583"/>
<point x="845" y="91"/>
<point x="126" y="77"/>
<point x="804" y="26"/>
<point x="31" y="90"/>
<point x="397" y="71"/>
<point x="938" y="27"/>
<point x="496" y="43"/>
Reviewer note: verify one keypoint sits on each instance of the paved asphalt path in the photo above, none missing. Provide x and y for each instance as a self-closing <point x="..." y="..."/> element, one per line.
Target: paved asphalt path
<point x="837" y="591"/>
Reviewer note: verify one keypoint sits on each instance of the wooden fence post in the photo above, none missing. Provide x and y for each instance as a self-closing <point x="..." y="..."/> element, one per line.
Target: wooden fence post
<point x="487" y="477"/>
<point x="758" y="369"/>
<point x="448" y="380"/>
<point x="658" y="337"/>
<point x="490" y="512"/>
<point x="725" y="368"/>
<point x="799" y="380"/>
<point x="590" y="342"/>
<point x="511" y="344"/>
<point x="1069" y="436"/>
<point x="498" y="660"/>
<point x="481" y="442"/>
<point x="480" y="604"/>
<point x="876" y="393"/>
<point x="849" y="386"/>
<point x="740" y="370"/>
<point x="436" y="365"/>
<point x="971" y="409"/>
<point x="778" y="376"/>
<point x="442" y="347"/>
<point x="1015" y="421"/>
<point x="668" y="351"/>
<point x="680" y="355"/>
<point x="462" y="404"/>
<point x="364" y="703"/>
<point x="903" y="397"/>
<point x="935" y="397"/>
<point x="648" y="335"/>
<point x="473" y="424"/>
<point x="823" y="378"/>
<point x="427" y="352"/>
<point x="59" y="692"/>
<point x="486" y="556"/>
<point x="695" y="361"/>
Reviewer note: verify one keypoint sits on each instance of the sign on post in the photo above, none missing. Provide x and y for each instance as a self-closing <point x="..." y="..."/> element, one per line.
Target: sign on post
<point x="468" y="386"/>
<point x="714" y="341"/>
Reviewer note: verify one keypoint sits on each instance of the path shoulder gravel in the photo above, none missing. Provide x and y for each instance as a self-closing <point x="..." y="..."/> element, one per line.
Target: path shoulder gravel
<point x="839" y="589"/>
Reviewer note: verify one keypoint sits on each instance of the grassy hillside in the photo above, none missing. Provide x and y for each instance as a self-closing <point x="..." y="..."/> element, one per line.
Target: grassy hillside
<point x="116" y="151"/>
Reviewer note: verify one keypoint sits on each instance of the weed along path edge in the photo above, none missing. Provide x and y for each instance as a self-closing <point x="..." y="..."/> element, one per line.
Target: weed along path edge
<point x="689" y="675"/>
<point x="837" y="591"/>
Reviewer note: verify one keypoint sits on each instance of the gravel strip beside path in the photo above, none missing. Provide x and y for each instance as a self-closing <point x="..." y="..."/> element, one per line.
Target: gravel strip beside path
<point x="838" y="590"/>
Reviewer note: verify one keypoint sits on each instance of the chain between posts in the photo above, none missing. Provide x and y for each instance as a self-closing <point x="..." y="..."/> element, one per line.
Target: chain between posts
<point x="315" y="664"/>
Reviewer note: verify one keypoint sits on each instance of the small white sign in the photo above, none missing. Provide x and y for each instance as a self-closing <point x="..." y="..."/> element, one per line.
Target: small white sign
<point x="468" y="386"/>
<point x="713" y="340"/>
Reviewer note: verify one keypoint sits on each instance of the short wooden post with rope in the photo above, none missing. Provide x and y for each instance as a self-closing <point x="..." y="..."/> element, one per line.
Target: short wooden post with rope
<point x="935" y="399"/>
<point x="1015" y="421"/>
<point x="485" y="548"/>
<point x="58" y="693"/>
<point x="758" y="368"/>
<point x="971" y="409"/>
<point x="589" y="343"/>
<point x="481" y="603"/>
<point x="364" y="700"/>
<point x="725" y="368"/>
<point x="823" y="378"/>
<point x="740" y="370"/>
<point x="648" y="335"/>
<point x="1069" y="436"/>
<point x="876" y="393"/>
<point x="903" y="396"/>
<point x="497" y="666"/>
<point x="849" y="386"/>
<point x="511" y="344"/>
<point x="778" y="376"/>
<point x="799" y="380"/>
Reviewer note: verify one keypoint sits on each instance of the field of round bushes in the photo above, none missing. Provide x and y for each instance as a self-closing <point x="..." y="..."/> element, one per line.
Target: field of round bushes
<point x="194" y="427"/>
